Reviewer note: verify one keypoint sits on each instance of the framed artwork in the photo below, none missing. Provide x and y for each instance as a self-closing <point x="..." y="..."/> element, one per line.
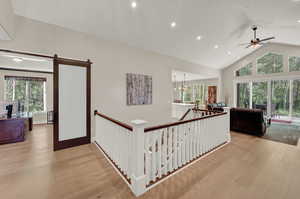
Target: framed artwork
<point x="139" y="89"/>
<point x="212" y="94"/>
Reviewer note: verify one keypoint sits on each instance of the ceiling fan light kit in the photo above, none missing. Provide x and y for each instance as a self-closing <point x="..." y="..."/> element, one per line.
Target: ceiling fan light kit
<point x="256" y="42"/>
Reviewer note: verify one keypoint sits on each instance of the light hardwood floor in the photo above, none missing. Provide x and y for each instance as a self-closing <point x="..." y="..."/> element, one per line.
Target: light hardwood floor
<point x="247" y="168"/>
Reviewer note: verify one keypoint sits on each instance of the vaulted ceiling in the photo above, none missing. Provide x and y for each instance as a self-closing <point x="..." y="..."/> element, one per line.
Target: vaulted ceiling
<point x="148" y="25"/>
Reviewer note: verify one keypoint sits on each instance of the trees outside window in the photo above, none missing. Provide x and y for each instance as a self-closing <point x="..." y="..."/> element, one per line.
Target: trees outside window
<point x="194" y="91"/>
<point x="188" y="94"/>
<point x="280" y="97"/>
<point x="243" y="95"/>
<point x="294" y="64"/>
<point x="296" y="98"/>
<point x="270" y="63"/>
<point x="260" y="94"/>
<point x="28" y="91"/>
<point x="246" y="70"/>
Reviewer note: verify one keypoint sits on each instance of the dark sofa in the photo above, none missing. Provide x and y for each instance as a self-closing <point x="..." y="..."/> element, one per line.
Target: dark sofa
<point x="216" y="106"/>
<point x="250" y="121"/>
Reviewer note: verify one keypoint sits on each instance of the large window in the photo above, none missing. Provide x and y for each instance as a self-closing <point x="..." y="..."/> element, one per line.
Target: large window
<point x="294" y="63"/>
<point x="259" y="95"/>
<point x="200" y="93"/>
<point x="29" y="91"/>
<point x="243" y="95"/>
<point x="270" y="63"/>
<point x="246" y="70"/>
<point x="190" y="92"/>
<point x="280" y="98"/>
<point x="296" y="98"/>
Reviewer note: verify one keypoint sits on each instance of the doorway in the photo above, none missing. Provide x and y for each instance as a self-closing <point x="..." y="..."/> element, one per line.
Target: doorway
<point x="69" y="99"/>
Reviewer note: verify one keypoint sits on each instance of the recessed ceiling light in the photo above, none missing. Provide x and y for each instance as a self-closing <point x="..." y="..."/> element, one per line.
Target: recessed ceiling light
<point x="133" y="4"/>
<point x="216" y="46"/>
<point x="198" y="37"/>
<point x="229" y="53"/>
<point x="173" y="24"/>
<point x="17" y="59"/>
<point x="298" y="21"/>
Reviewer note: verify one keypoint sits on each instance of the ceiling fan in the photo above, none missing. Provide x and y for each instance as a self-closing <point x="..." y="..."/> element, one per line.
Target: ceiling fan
<point x="256" y="41"/>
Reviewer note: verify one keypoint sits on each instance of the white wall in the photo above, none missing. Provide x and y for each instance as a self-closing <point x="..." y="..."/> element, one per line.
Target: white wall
<point x="111" y="61"/>
<point x="228" y="74"/>
<point x="6" y="20"/>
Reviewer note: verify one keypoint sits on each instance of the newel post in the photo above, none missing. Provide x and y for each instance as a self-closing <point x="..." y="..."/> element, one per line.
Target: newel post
<point x="227" y="110"/>
<point x="138" y="178"/>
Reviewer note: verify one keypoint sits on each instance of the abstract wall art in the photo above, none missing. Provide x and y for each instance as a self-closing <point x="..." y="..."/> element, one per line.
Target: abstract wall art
<point x="139" y="89"/>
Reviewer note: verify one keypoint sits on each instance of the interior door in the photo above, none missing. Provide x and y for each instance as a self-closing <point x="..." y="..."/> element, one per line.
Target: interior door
<point x="72" y="116"/>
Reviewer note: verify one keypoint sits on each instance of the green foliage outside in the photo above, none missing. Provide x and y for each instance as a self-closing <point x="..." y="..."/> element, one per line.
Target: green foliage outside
<point x="188" y="94"/>
<point x="33" y="99"/>
<point x="296" y="98"/>
<point x="243" y="92"/>
<point x="259" y="93"/>
<point x="294" y="64"/>
<point x="247" y="70"/>
<point x="280" y="96"/>
<point x="270" y="63"/>
<point x="200" y="91"/>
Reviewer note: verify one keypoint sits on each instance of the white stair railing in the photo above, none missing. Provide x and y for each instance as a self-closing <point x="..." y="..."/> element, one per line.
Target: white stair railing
<point x="146" y="156"/>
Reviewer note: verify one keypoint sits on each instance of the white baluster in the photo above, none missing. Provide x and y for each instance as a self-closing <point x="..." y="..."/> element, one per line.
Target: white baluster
<point x="147" y="154"/>
<point x="154" y="163"/>
<point x="170" y="149"/>
<point x="165" y="142"/>
<point x="175" y="148"/>
<point x="159" y="159"/>
<point x="179" y="150"/>
<point x="183" y="144"/>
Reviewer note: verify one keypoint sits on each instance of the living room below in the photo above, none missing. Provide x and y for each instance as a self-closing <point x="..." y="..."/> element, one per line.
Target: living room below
<point x="193" y="90"/>
<point x="268" y="80"/>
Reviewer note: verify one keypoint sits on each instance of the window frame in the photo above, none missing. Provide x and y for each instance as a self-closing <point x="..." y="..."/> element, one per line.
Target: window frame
<point x="288" y="57"/>
<point x="269" y="52"/>
<point x="235" y="71"/>
<point x="27" y="79"/>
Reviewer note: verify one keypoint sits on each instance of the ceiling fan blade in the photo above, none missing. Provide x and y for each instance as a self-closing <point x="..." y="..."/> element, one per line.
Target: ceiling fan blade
<point x="249" y="46"/>
<point x="266" y="39"/>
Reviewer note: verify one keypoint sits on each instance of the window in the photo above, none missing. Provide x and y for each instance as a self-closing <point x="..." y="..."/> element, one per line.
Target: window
<point x="270" y="63"/>
<point x="259" y="95"/>
<point x="192" y="92"/>
<point x="296" y="98"/>
<point x="188" y="94"/>
<point x="200" y="93"/>
<point x="280" y="97"/>
<point x="246" y="70"/>
<point x="243" y="95"/>
<point x="29" y="91"/>
<point x="294" y="63"/>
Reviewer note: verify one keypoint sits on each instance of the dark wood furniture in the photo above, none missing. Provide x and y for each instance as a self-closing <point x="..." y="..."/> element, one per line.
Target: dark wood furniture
<point x="250" y="121"/>
<point x="13" y="129"/>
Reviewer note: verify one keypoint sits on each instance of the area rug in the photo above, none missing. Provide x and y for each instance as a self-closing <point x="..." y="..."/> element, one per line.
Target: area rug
<point x="285" y="133"/>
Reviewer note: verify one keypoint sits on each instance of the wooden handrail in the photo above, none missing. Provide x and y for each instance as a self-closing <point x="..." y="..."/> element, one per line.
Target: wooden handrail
<point x="186" y="113"/>
<point x="181" y="122"/>
<point x="126" y="126"/>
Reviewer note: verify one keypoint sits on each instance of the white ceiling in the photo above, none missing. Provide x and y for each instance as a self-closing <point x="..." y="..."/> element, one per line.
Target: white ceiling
<point x="25" y="63"/>
<point x="225" y="23"/>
